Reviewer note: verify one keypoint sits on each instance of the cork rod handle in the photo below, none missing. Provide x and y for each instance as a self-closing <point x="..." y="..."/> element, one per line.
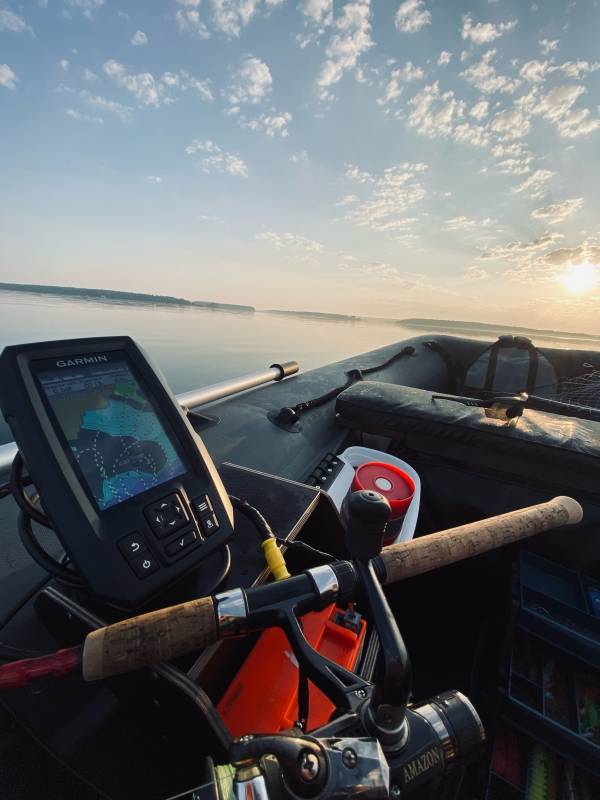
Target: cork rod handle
<point x="427" y="553"/>
<point x="149" y="639"/>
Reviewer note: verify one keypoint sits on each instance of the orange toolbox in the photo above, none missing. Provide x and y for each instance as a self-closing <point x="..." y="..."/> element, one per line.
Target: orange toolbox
<point x="263" y="697"/>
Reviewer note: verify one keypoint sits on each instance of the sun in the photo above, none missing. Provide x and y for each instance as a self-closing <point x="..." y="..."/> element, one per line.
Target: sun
<point x="580" y="278"/>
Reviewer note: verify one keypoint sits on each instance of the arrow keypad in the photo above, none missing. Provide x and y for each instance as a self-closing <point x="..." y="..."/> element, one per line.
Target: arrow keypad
<point x="166" y="516"/>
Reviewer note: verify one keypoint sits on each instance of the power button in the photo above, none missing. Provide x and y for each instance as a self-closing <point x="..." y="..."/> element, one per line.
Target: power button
<point x="144" y="565"/>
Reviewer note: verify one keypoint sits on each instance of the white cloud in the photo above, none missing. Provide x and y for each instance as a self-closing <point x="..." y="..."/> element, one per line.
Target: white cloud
<point x="557" y="106"/>
<point x="108" y="106"/>
<point x="139" y="38"/>
<point x="463" y="223"/>
<point x="185" y="81"/>
<point x="301" y="157"/>
<point x="351" y="39"/>
<point x="9" y="21"/>
<point x="475" y="273"/>
<point x="216" y="159"/>
<point x="153" y="179"/>
<point x="64" y="64"/>
<point x="74" y="114"/>
<point x="190" y="21"/>
<point x="142" y="85"/>
<point x="534" y="71"/>
<point x="412" y="16"/>
<point x="547" y="46"/>
<point x="251" y="83"/>
<point x="89" y="76"/>
<point x="398" y="77"/>
<point x="485" y="32"/>
<point x="318" y="12"/>
<point x="273" y="124"/>
<point x="484" y="77"/>
<point x="392" y="194"/>
<point x="535" y="184"/>
<point x="8" y="79"/>
<point x="444" y="58"/>
<point x="434" y="113"/>
<point x="189" y="3"/>
<point x="480" y="110"/>
<point x="558" y="212"/>
<point x="230" y="16"/>
<point x="512" y="123"/>
<point x="290" y="240"/>
<point x="347" y="200"/>
<point x="87" y="7"/>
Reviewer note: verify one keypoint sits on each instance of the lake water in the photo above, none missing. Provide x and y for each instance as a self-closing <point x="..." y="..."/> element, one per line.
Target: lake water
<point x="195" y="347"/>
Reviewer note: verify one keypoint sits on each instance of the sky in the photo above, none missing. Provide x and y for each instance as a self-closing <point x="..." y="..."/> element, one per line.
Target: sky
<point x="423" y="158"/>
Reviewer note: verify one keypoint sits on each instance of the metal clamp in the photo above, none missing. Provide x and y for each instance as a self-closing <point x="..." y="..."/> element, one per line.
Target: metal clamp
<point x="231" y="612"/>
<point x="326" y="582"/>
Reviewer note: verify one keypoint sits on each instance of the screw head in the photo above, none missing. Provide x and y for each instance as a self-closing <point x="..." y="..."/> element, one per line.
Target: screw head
<point x="361" y="693"/>
<point x="308" y="765"/>
<point x="395" y="792"/>
<point x="349" y="758"/>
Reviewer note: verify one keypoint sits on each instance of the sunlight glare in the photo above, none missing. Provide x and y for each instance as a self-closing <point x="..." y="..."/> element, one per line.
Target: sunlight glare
<point x="580" y="278"/>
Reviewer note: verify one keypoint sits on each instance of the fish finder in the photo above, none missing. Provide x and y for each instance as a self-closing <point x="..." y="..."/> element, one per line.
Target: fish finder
<point x="125" y="481"/>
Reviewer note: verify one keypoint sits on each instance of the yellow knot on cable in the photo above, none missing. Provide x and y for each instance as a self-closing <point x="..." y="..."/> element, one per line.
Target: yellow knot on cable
<point x="275" y="560"/>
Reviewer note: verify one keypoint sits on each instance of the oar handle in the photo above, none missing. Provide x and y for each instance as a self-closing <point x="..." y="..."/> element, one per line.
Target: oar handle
<point x="149" y="639"/>
<point x="427" y="553"/>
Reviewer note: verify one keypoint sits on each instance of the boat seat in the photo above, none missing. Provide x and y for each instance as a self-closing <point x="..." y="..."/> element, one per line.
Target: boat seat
<point x="547" y="450"/>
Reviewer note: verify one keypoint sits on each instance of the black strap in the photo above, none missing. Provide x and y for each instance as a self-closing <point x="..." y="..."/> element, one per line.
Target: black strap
<point x="456" y="371"/>
<point x="290" y="414"/>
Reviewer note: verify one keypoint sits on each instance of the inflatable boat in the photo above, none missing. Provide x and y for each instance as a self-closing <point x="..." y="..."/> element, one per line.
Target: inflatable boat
<point x="476" y="674"/>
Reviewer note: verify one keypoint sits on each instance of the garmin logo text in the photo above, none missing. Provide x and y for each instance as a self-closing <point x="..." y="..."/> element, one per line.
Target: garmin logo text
<point x="81" y="362"/>
<point x="423" y="763"/>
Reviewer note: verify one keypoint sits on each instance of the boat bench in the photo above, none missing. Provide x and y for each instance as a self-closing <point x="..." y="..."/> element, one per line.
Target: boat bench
<point x="542" y="449"/>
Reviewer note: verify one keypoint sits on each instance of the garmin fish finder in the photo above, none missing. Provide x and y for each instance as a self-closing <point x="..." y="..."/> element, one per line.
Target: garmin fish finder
<point x="126" y="483"/>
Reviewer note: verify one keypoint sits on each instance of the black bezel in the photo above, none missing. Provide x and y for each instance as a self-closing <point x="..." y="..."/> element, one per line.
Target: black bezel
<point x="50" y="365"/>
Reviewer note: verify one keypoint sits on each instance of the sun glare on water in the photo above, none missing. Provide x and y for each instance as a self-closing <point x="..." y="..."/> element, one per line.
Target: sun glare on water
<point x="580" y="278"/>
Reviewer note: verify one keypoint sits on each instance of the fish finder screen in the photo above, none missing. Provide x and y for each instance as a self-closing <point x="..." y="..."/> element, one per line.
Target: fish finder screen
<point x="115" y="435"/>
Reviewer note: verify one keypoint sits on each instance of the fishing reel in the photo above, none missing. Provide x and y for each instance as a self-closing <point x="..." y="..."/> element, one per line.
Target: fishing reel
<point x="379" y="745"/>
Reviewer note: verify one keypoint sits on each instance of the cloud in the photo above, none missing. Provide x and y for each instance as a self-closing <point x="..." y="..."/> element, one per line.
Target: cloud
<point x="535" y="184"/>
<point x="139" y="38"/>
<point x="9" y="21"/>
<point x="588" y="250"/>
<point x="475" y="273"/>
<point x="412" y="16"/>
<point x="251" y="83"/>
<point x="381" y="271"/>
<point x="480" y="110"/>
<point x="351" y="39"/>
<point x="557" y="106"/>
<point x="512" y="123"/>
<point x="434" y="113"/>
<point x="230" y="16"/>
<point x="391" y="195"/>
<point x="153" y="179"/>
<point x="292" y="241"/>
<point x="536" y="71"/>
<point x="142" y="85"/>
<point x="8" y="79"/>
<point x="107" y="106"/>
<point x="444" y="58"/>
<point x="485" y="32"/>
<point x="190" y="21"/>
<point x="216" y="159"/>
<point x="301" y="157"/>
<point x="347" y="200"/>
<point x="399" y="77"/>
<point x="87" y="7"/>
<point x="89" y="76"/>
<point x="74" y="114"/>
<point x="484" y="77"/>
<point x="547" y="46"/>
<point x="64" y="64"/>
<point x="273" y="124"/>
<point x="558" y="212"/>
<point x="318" y="15"/>
<point x="463" y="223"/>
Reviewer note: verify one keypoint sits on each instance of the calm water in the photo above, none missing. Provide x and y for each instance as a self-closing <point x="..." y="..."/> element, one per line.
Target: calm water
<point x="195" y="347"/>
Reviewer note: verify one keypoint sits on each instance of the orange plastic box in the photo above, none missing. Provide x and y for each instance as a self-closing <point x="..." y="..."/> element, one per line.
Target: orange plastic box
<point x="263" y="697"/>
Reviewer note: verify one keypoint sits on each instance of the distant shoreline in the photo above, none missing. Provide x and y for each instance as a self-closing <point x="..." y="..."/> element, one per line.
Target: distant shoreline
<point x="442" y="325"/>
<point x="113" y="295"/>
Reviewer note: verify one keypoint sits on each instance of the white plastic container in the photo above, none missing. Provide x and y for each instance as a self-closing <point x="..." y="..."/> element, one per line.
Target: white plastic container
<point x="352" y="458"/>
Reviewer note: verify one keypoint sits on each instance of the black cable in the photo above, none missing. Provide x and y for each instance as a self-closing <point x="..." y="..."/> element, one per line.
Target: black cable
<point x="41" y="557"/>
<point x="21" y="498"/>
<point x="253" y="514"/>
<point x="321" y="555"/>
